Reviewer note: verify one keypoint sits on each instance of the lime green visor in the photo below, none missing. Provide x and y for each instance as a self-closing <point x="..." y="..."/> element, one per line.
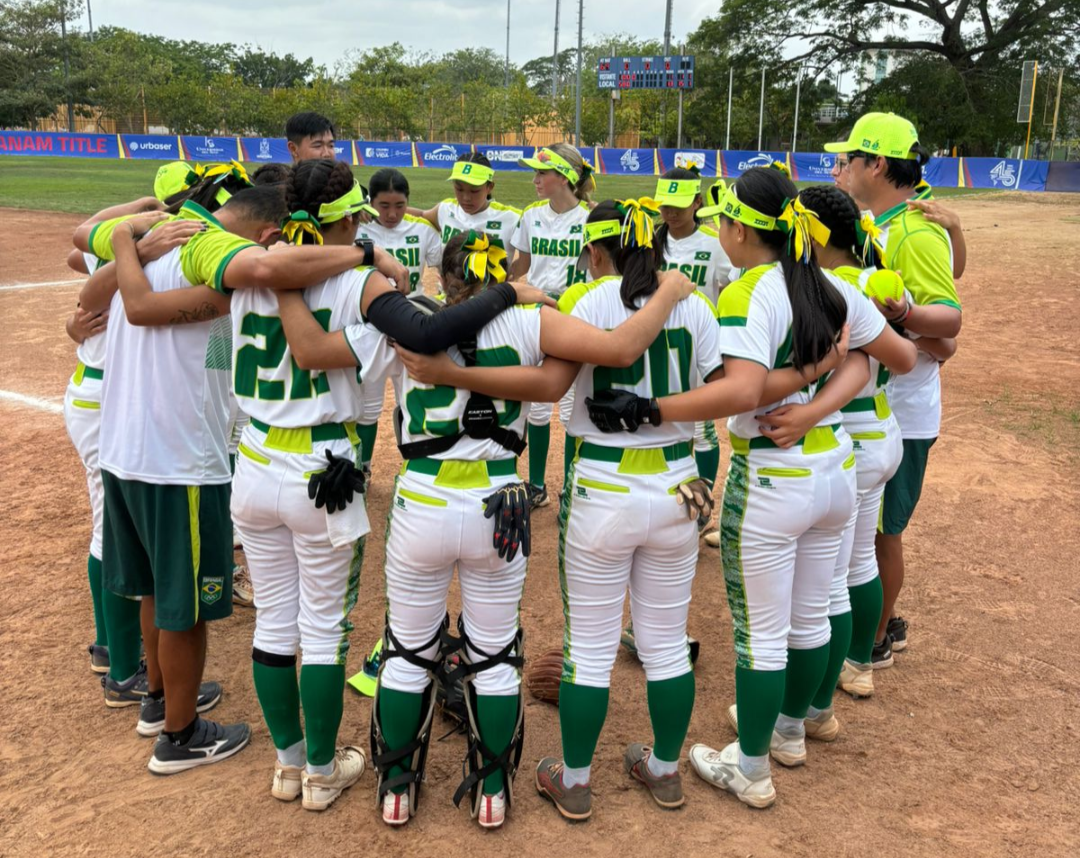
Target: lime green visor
<point x="731" y="207"/>
<point x="595" y="232"/>
<point x="546" y="159"/>
<point x="348" y="204"/>
<point x="677" y="193"/>
<point x="172" y="178"/>
<point x="471" y="174"/>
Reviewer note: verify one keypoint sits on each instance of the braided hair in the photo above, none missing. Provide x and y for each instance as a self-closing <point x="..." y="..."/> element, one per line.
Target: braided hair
<point x="638" y="264"/>
<point x="838" y="212"/>
<point x="316" y="181"/>
<point x="818" y="310"/>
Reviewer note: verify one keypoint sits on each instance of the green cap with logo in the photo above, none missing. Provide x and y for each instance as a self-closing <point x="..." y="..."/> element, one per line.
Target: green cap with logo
<point x="884" y="134"/>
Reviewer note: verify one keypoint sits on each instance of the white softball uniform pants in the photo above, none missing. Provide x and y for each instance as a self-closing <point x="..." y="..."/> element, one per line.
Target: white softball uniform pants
<point x="435" y="526"/>
<point x="304" y="587"/>
<point x="784" y="514"/>
<point x="622" y="531"/>
<point x="82" y="416"/>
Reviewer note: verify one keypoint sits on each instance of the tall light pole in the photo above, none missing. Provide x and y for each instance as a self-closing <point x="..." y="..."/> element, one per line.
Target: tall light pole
<point x="667" y="52"/>
<point x="730" y="81"/>
<point x="555" y="59"/>
<point x="761" y="111"/>
<point x="506" y="72"/>
<point x="90" y="19"/>
<point x="67" y="70"/>
<point x="577" y="109"/>
<point x="798" y="92"/>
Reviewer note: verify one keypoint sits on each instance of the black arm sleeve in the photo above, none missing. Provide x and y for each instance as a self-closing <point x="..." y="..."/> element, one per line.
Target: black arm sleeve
<point x="401" y="320"/>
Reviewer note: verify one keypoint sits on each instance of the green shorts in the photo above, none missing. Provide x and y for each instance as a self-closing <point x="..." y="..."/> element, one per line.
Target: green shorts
<point x="903" y="490"/>
<point x="170" y="542"/>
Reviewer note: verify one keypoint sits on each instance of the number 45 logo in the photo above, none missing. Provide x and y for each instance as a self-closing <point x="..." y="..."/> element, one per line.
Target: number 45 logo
<point x="1003" y="174"/>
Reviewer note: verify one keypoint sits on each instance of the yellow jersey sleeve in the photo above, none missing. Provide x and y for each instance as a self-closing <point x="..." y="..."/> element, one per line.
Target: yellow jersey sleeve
<point x="101" y="237"/>
<point x="206" y="256"/>
<point x="920" y="252"/>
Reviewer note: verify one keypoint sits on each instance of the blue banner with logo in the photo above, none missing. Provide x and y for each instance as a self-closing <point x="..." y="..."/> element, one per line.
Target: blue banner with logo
<point x="812" y="167"/>
<point x="703" y="159"/>
<point x="216" y="149"/>
<point x="55" y="143"/>
<point x="626" y="162"/>
<point x="440" y="154"/>
<point x="506" y="157"/>
<point x="1009" y="174"/>
<point x="370" y="153"/>
<point x="159" y="147"/>
<point x="942" y="172"/>
<point x="736" y="162"/>
<point x="265" y="150"/>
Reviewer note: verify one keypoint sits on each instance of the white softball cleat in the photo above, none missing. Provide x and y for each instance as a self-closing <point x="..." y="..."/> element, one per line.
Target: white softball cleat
<point x="856" y="679"/>
<point x="492" y="810"/>
<point x="822" y="728"/>
<point x="321" y="791"/>
<point x="287" y="782"/>
<point x="395" y="808"/>
<point x="721" y="769"/>
<point x="788" y="751"/>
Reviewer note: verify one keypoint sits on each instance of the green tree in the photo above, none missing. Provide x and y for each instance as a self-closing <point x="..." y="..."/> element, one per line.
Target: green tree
<point x="269" y="71"/>
<point x="120" y="64"/>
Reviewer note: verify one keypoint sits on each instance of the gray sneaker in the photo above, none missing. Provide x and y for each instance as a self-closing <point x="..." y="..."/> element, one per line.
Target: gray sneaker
<point x="99" y="658"/>
<point x="211" y="743"/>
<point x="666" y="790"/>
<point x="152" y="712"/>
<point x="574" y="803"/>
<point x="121" y="694"/>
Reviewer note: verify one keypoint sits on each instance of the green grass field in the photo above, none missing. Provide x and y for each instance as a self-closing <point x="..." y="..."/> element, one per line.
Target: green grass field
<point x="85" y="185"/>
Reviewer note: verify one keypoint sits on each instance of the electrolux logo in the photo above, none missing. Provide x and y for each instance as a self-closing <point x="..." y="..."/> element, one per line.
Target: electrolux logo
<point x="761" y="159"/>
<point x="446" y="152"/>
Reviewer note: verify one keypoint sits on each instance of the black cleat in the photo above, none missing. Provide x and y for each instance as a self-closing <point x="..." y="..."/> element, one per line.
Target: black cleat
<point x="210" y="743"/>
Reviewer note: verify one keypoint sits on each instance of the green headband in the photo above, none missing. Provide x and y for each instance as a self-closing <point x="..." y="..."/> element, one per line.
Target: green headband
<point x="471" y="174"/>
<point x="348" y="204"/>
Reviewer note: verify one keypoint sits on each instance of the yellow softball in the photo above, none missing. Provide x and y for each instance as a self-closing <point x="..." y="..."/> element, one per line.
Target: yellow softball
<point x="883" y="284"/>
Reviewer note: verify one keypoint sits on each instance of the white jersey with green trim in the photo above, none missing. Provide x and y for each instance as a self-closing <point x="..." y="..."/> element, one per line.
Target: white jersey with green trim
<point x="922" y="252"/>
<point x="165" y="396"/>
<point x="879" y="375"/>
<point x="414" y="242"/>
<point x="686" y="352"/>
<point x="267" y="382"/>
<point x="701" y="258"/>
<point x="431" y="411"/>
<point x="91" y="351"/>
<point x="553" y="241"/>
<point x="498" y="221"/>
<point x="755" y="325"/>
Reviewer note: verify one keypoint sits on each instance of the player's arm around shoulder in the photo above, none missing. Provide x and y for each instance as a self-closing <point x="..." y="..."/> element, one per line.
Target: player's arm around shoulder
<point x="311" y="346"/>
<point x="922" y="259"/>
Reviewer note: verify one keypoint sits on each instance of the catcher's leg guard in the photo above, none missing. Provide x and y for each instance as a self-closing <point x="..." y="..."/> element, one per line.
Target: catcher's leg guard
<point x="383" y="758"/>
<point x="474" y="768"/>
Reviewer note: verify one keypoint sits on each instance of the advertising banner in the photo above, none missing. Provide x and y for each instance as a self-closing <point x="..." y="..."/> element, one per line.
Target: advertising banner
<point x="217" y="149"/>
<point x="704" y="159"/>
<point x="370" y="153"/>
<point x="440" y="154"/>
<point x="506" y="157"/>
<point x="1008" y="174"/>
<point x="64" y="145"/>
<point x="626" y="162"/>
<point x="265" y="150"/>
<point x="812" y="167"/>
<point x="159" y="147"/>
<point x="1063" y="176"/>
<point x="736" y="162"/>
<point x="942" y="172"/>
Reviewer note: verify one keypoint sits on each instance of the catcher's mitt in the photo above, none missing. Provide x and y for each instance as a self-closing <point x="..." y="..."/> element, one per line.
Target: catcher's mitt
<point x="543" y="675"/>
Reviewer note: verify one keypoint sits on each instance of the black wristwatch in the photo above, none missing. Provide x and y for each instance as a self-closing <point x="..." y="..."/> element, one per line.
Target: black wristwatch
<point x="368" y="246"/>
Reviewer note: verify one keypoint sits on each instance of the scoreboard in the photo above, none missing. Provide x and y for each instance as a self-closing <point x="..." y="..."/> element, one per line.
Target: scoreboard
<point x="675" y="72"/>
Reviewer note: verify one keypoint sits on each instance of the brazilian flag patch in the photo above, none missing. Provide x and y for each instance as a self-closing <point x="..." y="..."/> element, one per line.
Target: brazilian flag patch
<point x="211" y="590"/>
<point x="703" y="256"/>
<point x="412" y="239"/>
<point x="494" y="224"/>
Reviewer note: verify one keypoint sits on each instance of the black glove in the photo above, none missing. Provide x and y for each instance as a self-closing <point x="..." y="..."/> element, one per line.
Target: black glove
<point x="621" y="411"/>
<point x="509" y="506"/>
<point x="334" y="488"/>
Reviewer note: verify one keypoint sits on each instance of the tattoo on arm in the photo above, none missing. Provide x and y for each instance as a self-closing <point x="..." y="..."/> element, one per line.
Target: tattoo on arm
<point x="204" y="313"/>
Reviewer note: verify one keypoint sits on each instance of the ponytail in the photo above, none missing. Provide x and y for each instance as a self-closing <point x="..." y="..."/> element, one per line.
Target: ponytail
<point x="633" y="248"/>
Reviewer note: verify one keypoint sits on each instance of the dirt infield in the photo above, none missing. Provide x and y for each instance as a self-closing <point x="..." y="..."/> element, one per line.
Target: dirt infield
<point x="970" y="748"/>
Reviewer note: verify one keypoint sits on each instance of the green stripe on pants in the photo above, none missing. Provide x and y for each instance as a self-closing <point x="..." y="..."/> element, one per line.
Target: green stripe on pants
<point x="731" y="521"/>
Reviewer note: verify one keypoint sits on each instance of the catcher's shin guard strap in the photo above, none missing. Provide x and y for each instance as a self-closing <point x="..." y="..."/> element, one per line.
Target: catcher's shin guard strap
<point x="474" y="768"/>
<point x="392" y="648"/>
<point x="383" y="758"/>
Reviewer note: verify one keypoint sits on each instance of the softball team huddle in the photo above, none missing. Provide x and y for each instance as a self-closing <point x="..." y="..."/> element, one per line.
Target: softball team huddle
<point x="646" y="320"/>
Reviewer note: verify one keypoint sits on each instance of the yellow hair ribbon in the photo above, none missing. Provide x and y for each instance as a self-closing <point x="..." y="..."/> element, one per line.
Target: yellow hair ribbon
<point x="297" y="225"/>
<point x="782" y="167"/>
<point x="637" y="225"/>
<point x="484" y="259"/>
<point x="802" y="226"/>
<point x="870" y="233"/>
<point x="234" y="168"/>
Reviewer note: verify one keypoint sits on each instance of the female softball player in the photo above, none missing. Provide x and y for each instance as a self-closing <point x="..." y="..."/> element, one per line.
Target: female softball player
<point x="450" y="471"/>
<point x="415" y="242"/>
<point x="784" y="510"/>
<point x="695" y="250"/>
<point x="548" y="244"/>
<point x="472" y="206"/>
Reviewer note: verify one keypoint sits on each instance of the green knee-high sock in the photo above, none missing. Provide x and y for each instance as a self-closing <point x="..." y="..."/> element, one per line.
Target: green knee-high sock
<point x="866" y="601"/>
<point x="232" y="463"/>
<point x="322" y="687"/>
<point x="497" y="717"/>
<point x="805" y="669"/>
<point x="93" y="572"/>
<point x="279" y="696"/>
<point x="399" y="716"/>
<point x="670" y="703"/>
<point x="708" y="463"/>
<point x="368" y="432"/>
<point x="838" y="650"/>
<point x="569" y="451"/>
<point x="582" y="710"/>
<point x="539" y="438"/>
<point x="124" y="634"/>
<point x="758" y="695"/>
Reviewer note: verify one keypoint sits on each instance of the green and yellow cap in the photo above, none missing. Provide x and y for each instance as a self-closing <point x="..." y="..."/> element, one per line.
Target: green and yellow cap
<point x="471" y="174"/>
<point x="173" y="178"/>
<point x="884" y="134"/>
<point x="546" y="159"/>
<point x="677" y="193"/>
